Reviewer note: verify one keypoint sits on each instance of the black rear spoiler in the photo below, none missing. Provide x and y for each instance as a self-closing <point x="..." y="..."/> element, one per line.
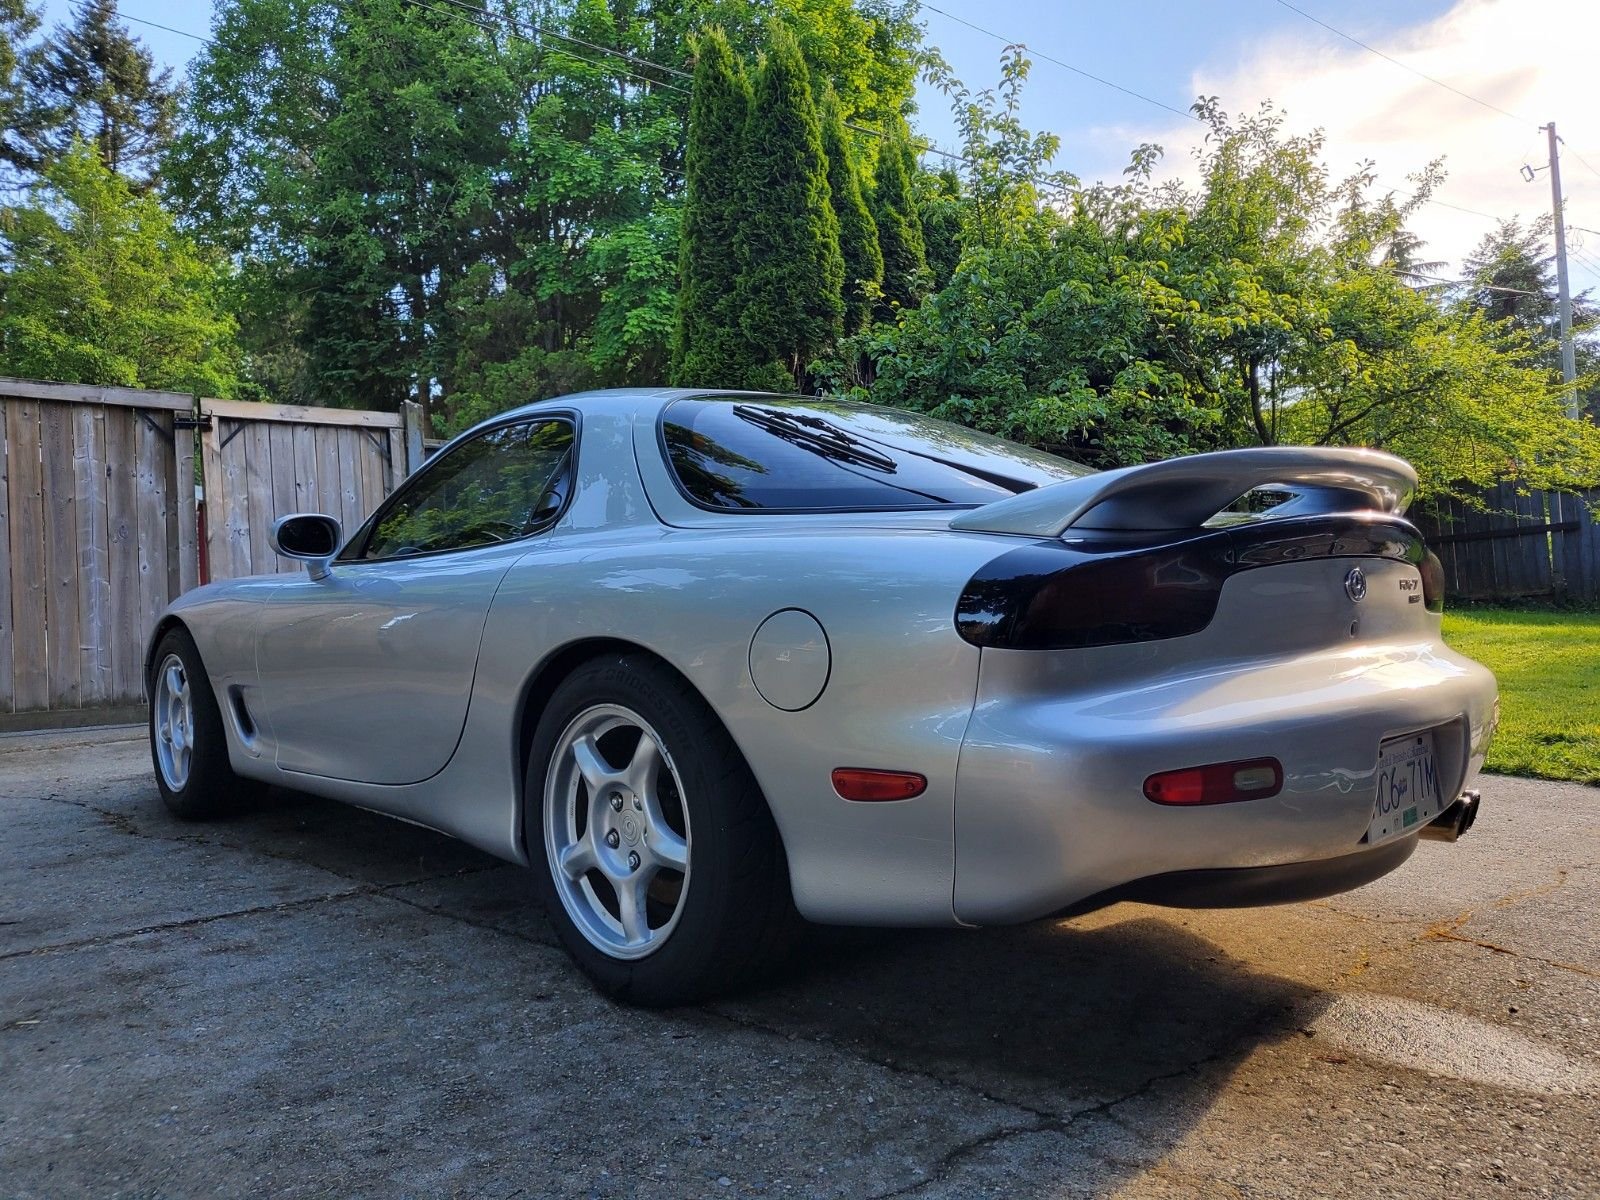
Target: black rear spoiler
<point x="1184" y="493"/>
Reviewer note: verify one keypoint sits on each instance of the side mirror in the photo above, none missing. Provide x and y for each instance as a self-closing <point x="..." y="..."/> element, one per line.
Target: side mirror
<point x="310" y="537"/>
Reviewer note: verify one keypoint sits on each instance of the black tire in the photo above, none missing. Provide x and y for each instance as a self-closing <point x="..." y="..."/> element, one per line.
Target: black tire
<point x="210" y="788"/>
<point x="736" y="914"/>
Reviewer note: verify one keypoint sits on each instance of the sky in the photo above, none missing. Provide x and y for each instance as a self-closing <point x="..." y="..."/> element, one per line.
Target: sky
<point x="1532" y="59"/>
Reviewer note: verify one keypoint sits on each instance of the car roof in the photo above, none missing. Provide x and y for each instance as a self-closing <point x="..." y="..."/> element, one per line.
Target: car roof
<point x="628" y="401"/>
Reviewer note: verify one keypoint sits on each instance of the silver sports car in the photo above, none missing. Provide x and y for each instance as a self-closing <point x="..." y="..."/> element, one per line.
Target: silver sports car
<point x="707" y="662"/>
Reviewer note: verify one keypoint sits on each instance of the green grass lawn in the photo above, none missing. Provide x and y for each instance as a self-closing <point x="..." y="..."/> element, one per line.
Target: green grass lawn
<point x="1548" y="664"/>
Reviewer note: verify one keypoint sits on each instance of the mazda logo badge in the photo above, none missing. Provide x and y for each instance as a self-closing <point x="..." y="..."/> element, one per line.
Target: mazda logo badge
<point x="1355" y="584"/>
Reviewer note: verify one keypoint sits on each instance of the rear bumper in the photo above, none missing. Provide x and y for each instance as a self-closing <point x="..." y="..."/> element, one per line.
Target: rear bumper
<point x="1252" y="887"/>
<point x="1050" y="809"/>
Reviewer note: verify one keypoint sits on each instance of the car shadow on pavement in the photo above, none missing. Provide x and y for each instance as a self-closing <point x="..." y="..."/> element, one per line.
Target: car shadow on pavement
<point x="1076" y="1023"/>
<point x="1104" y="1037"/>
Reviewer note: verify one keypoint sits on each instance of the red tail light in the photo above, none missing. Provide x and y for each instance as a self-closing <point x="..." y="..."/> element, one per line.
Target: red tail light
<point x="861" y="783"/>
<point x="1217" y="783"/>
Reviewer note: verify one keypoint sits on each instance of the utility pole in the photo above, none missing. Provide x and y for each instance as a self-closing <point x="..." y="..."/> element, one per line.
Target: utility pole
<point x="1569" y="364"/>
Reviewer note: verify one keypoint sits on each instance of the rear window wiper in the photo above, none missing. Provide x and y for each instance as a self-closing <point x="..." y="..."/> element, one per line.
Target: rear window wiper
<point x="817" y="435"/>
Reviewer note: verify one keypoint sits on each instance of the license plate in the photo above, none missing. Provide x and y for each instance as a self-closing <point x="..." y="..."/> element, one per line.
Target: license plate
<point x="1408" y="788"/>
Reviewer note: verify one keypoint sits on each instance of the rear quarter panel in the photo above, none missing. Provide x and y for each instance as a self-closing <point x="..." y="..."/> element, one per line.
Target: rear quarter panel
<point x="898" y="696"/>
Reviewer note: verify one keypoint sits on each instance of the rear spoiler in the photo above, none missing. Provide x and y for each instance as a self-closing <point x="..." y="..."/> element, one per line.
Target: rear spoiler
<point x="1184" y="493"/>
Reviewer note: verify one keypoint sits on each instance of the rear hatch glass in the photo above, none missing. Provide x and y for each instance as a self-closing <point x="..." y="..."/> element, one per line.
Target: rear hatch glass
<point x="778" y="454"/>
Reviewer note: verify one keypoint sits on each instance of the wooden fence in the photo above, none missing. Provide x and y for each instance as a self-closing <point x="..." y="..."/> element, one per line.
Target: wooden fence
<point x="263" y="461"/>
<point x="99" y="529"/>
<point x="1538" y="545"/>
<point x="97" y="534"/>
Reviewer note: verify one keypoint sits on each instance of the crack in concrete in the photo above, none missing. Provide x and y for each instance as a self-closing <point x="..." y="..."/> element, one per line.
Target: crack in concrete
<point x="1044" y="1120"/>
<point x="1543" y="889"/>
<point x="105" y="939"/>
<point x="485" y="926"/>
<point x="1449" y="929"/>
<point x="1563" y="874"/>
<point x="1450" y="935"/>
<point x="1061" y="1124"/>
<point x="884" y="1063"/>
<point x="124" y="823"/>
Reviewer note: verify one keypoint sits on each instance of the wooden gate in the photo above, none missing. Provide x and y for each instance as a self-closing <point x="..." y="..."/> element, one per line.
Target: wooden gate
<point x="264" y="461"/>
<point x="97" y="521"/>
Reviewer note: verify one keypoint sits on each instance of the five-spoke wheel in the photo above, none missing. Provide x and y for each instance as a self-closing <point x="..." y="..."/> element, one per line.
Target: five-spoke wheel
<point x="187" y="741"/>
<point x="617" y="831"/>
<point x="173" y="717"/>
<point x="651" y="844"/>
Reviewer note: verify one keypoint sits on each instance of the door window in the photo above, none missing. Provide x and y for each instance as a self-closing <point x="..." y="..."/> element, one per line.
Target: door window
<point x="504" y="484"/>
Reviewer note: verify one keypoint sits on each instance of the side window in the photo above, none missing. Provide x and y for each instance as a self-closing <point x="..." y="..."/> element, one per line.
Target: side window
<point x="503" y="484"/>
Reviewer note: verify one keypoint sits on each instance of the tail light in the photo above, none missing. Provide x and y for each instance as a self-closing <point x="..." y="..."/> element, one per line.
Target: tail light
<point x="1217" y="783"/>
<point x="1432" y="581"/>
<point x="1034" y="602"/>
<point x="1114" y="590"/>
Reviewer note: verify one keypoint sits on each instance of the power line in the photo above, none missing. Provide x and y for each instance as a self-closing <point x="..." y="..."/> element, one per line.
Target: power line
<point x="420" y="4"/>
<point x="926" y="148"/>
<point x="1405" y="66"/>
<point x="1584" y="258"/>
<point x="1037" y="53"/>
<point x="1467" y="283"/>
<point x="164" y="28"/>
<point x="1581" y="159"/>
<point x="517" y="33"/>
<point x="542" y="31"/>
<point x="476" y="24"/>
<point x="516" y="27"/>
<point x="1473" y="211"/>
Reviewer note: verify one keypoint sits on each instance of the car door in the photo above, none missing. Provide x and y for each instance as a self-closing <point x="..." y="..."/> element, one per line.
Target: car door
<point x="366" y="673"/>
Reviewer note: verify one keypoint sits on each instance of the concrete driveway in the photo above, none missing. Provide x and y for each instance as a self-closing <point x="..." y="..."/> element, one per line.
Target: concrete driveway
<point x="311" y="1000"/>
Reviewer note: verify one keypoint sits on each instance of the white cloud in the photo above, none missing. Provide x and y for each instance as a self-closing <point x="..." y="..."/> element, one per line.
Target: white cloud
<point x="1532" y="58"/>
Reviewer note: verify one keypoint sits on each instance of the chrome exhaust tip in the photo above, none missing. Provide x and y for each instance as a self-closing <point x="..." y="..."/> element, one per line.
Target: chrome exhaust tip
<point x="1455" y="820"/>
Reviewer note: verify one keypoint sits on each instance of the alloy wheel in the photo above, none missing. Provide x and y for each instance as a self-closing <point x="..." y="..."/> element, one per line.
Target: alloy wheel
<point x="616" y="831"/>
<point x="174" y="723"/>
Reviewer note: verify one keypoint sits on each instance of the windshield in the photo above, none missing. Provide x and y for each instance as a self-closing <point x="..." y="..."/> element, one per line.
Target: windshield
<point x="776" y="454"/>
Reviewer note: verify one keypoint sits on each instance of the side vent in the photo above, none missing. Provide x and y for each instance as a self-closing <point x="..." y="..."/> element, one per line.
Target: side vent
<point x="241" y="714"/>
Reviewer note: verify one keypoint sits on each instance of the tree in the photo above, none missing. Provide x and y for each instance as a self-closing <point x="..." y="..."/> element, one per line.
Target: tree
<point x="792" y="271"/>
<point x="1403" y="256"/>
<point x="17" y="23"/>
<point x="99" y="287"/>
<point x="940" y="204"/>
<point x="905" y="263"/>
<point x="400" y="193"/>
<point x="255" y="115"/>
<point x="1262" y="306"/>
<point x="858" y="232"/>
<point x="95" y="82"/>
<point x="1510" y="277"/>
<point x="868" y="51"/>
<point x="474" y="214"/>
<point x="1007" y="174"/>
<point x="709" y="346"/>
<point x="576" y="252"/>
